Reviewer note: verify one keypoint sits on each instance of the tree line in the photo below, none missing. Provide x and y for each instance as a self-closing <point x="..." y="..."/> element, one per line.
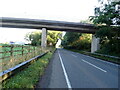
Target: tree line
<point x="107" y="19"/>
<point x="79" y="41"/>
<point x="35" y="37"/>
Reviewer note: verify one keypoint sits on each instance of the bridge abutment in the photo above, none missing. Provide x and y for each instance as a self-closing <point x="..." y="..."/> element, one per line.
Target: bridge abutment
<point x="95" y="44"/>
<point x="44" y="38"/>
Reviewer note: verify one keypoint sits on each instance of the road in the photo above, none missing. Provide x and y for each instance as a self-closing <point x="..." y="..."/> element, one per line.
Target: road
<point x="73" y="70"/>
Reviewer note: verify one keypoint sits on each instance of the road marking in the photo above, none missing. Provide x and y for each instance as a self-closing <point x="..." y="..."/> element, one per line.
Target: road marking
<point x="73" y="55"/>
<point x="65" y="73"/>
<point x="98" y="59"/>
<point x="108" y="62"/>
<point x="104" y="61"/>
<point x="94" y="65"/>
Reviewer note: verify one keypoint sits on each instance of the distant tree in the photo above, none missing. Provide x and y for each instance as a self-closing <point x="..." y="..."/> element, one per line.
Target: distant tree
<point x="77" y="41"/>
<point x="83" y="43"/>
<point x="35" y="37"/>
<point x="52" y="37"/>
<point x="70" y="37"/>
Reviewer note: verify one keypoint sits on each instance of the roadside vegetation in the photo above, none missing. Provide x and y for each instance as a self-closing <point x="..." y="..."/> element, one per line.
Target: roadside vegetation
<point x="107" y="20"/>
<point x="78" y="41"/>
<point x="29" y="77"/>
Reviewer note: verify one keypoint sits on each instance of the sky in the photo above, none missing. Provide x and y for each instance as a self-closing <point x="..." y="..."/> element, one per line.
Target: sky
<point x="60" y="10"/>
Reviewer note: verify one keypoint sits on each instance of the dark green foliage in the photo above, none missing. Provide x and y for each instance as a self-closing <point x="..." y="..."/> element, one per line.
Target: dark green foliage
<point x="108" y="21"/>
<point x="77" y="41"/>
<point x="70" y="37"/>
<point x="106" y="15"/>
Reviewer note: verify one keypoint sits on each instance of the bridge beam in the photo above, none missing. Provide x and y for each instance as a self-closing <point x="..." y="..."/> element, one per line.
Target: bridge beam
<point x="44" y="38"/>
<point x="95" y="44"/>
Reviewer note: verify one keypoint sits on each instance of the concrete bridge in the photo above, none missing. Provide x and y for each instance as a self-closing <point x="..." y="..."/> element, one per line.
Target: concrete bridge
<point x="45" y="25"/>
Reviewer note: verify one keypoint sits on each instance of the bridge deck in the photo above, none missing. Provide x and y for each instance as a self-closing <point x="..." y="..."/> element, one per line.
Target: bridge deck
<point x="48" y="24"/>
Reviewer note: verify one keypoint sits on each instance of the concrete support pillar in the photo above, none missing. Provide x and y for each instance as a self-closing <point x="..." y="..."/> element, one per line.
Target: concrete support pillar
<point x="95" y="44"/>
<point x="44" y="38"/>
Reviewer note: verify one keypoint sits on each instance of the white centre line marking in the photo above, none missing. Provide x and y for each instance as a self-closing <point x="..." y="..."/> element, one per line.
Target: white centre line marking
<point x="65" y="73"/>
<point x="94" y="65"/>
<point x="73" y="55"/>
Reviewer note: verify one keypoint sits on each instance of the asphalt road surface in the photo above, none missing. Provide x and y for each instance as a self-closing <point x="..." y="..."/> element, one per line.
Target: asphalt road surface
<point x="69" y="69"/>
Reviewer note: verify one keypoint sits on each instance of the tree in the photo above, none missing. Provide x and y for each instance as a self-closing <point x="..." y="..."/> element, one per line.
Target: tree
<point x="52" y="37"/>
<point x="35" y="37"/>
<point x="70" y="37"/>
<point x="77" y="41"/>
<point x="106" y="15"/>
<point x="108" y="21"/>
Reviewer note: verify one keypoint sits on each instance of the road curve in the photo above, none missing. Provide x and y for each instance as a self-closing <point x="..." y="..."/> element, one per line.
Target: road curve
<point x="73" y="70"/>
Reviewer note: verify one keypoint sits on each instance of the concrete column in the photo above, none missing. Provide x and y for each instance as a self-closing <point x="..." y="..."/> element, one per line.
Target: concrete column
<point x="95" y="44"/>
<point x="44" y="38"/>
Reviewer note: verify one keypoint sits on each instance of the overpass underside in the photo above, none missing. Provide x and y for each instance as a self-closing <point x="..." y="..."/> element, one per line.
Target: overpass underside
<point x="45" y="25"/>
<point x="48" y="24"/>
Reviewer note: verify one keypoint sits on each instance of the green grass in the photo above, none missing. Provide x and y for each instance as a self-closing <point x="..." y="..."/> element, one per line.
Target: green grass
<point x="97" y="56"/>
<point x="29" y="77"/>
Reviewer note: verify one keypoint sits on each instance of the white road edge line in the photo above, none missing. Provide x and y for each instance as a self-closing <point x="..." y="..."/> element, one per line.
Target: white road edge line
<point x="94" y="65"/>
<point x="99" y="59"/>
<point x="73" y="55"/>
<point x="65" y="73"/>
<point x="104" y="61"/>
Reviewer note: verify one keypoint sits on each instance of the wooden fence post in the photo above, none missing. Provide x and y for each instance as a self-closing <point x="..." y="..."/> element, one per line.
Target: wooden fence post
<point x="29" y="49"/>
<point x="22" y="50"/>
<point x="34" y="51"/>
<point x="11" y="53"/>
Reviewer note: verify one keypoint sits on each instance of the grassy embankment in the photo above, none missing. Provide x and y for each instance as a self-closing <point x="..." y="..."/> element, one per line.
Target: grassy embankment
<point x="29" y="77"/>
<point x="97" y="56"/>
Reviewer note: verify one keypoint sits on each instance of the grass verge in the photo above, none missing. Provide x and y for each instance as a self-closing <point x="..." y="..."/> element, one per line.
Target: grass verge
<point x="28" y="77"/>
<point x="113" y="60"/>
